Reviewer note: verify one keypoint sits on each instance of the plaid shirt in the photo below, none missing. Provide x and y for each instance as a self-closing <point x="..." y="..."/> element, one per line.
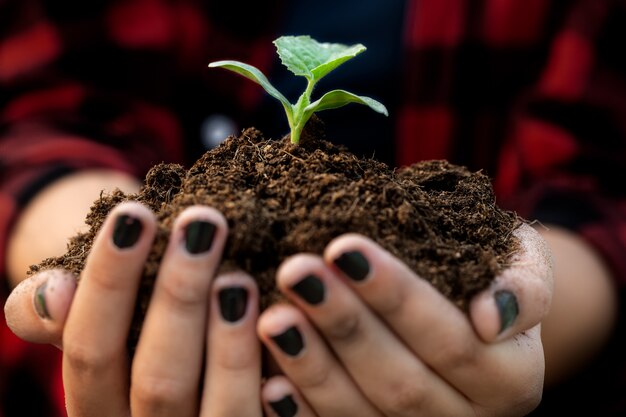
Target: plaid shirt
<point x="531" y="91"/>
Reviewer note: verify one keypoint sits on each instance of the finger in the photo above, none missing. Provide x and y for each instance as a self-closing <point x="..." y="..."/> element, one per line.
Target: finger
<point x="168" y="360"/>
<point x="389" y="374"/>
<point x="95" y="362"/>
<point x="37" y="308"/>
<point x="520" y="297"/>
<point x="282" y="399"/>
<point x="434" y="329"/>
<point x="304" y="357"/>
<point x="232" y="380"/>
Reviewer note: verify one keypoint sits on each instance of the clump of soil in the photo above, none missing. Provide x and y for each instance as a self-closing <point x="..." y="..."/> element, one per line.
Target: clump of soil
<point x="281" y="199"/>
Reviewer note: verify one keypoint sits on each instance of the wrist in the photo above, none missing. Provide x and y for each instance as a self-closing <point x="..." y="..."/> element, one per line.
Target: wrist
<point x="584" y="305"/>
<point x="57" y="212"/>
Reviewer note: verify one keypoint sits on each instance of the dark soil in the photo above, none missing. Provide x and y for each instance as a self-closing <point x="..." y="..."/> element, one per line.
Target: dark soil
<point x="281" y="199"/>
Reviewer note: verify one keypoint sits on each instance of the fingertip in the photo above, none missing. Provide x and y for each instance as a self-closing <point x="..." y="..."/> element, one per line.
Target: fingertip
<point x="58" y="296"/>
<point x="280" y="328"/>
<point x="494" y="314"/>
<point x="202" y="215"/>
<point x="505" y="310"/>
<point x="37" y="308"/>
<point x="275" y="319"/>
<point x="233" y="352"/>
<point x="129" y="225"/>
<point x="520" y="297"/>
<point x="348" y="253"/>
<point x="280" y="398"/>
<point x="508" y="309"/>
<point x="231" y="336"/>
<point x="134" y="208"/>
<point x="13" y="307"/>
<point x="236" y="297"/>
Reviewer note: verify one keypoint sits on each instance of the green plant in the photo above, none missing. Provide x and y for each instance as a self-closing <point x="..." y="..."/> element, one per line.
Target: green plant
<point x="308" y="58"/>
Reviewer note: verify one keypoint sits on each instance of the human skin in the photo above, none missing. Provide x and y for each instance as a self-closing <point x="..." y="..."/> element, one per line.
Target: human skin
<point x="57" y="212"/>
<point x="476" y="347"/>
<point x="584" y="305"/>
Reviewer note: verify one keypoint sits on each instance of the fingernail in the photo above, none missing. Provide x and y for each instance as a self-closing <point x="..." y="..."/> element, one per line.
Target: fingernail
<point x="126" y="231"/>
<point x="310" y="289"/>
<point x="507" y="307"/>
<point x="233" y="302"/>
<point x="199" y="236"/>
<point x="285" y="407"/>
<point x="40" y="301"/>
<point x="354" y="265"/>
<point x="290" y="341"/>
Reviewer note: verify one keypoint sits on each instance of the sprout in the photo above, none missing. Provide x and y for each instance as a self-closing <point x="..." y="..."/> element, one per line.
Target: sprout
<point x="312" y="60"/>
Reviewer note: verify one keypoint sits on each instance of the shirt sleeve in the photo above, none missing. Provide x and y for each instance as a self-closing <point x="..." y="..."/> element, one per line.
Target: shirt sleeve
<point x="565" y="157"/>
<point x="117" y="85"/>
<point x="65" y="107"/>
<point x="63" y="110"/>
<point x="534" y="94"/>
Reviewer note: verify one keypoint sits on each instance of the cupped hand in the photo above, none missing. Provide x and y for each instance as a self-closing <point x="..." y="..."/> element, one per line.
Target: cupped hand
<point x="364" y="336"/>
<point x="198" y="353"/>
<point x="368" y="337"/>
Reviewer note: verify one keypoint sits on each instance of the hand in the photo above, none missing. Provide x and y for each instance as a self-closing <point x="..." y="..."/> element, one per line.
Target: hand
<point x="368" y="337"/>
<point x="383" y="374"/>
<point x="189" y="310"/>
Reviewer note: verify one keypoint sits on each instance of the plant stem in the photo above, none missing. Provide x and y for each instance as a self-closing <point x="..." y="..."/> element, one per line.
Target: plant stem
<point x="298" y="112"/>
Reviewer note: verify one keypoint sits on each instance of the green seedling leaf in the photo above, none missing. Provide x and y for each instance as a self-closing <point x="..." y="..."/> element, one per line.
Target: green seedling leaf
<point x="308" y="58"/>
<point x="339" y="98"/>
<point x="253" y="74"/>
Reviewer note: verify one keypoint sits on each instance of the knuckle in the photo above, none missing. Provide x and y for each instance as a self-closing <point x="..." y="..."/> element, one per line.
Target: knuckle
<point x="185" y="289"/>
<point x="345" y="328"/>
<point x="158" y="392"/>
<point x="83" y="359"/>
<point x="315" y="376"/>
<point x="106" y="278"/>
<point x="391" y="302"/>
<point x="455" y="355"/>
<point x="405" y="398"/>
<point x="237" y="358"/>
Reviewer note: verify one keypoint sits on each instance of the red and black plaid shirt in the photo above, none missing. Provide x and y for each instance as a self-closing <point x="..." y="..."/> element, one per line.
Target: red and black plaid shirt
<point x="532" y="91"/>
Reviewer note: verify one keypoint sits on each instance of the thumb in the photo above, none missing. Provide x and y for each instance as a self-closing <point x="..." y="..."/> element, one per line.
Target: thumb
<point x="37" y="308"/>
<point x="520" y="297"/>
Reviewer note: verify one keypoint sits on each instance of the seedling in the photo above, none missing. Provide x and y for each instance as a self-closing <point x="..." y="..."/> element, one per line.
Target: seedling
<point x="312" y="60"/>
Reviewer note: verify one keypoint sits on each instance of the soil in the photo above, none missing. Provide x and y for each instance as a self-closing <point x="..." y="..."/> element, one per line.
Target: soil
<point x="280" y="199"/>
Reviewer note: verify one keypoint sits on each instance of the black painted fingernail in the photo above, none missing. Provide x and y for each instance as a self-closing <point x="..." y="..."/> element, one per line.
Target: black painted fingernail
<point x="290" y="341"/>
<point x="40" y="301"/>
<point x="233" y="303"/>
<point x="126" y="231"/>
<point x="199" y="236"/>
<point x="507" y="307"/>
<point x="354" y="265"/>
<point x="285" y="407"/>
<point x="311" y="289"/>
